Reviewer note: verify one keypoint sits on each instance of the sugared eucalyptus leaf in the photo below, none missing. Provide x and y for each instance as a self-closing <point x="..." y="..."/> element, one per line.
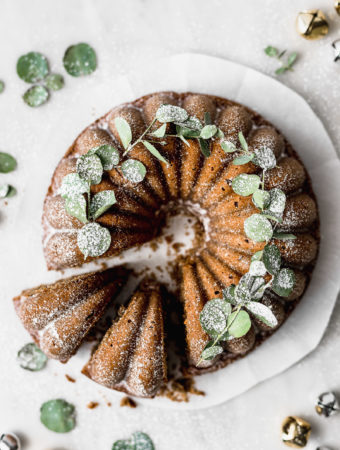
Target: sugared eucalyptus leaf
<point x="264" y="158"/>
<point x="277" y="202"/>
<point x="205" y="147"/>
<point x="153" y="150"/>
<point x="229" y="295"/>
<point x="72" y="185"/>
<point x="208" y="131"/>
<point x="258" y="228"/>
<point x="90" y="168"/>
<point x="160" y="132"/>
<point x="239" y="323"/>
<point x="245" y="184"/>
<point x="76" y="206"/>
<point x="228" y="146"/>
<point x="257" y="269"/>
<point x="261" y="199"/>
<point x="272" y="216"/>
<point x="192" y="123"/>
<point x="242" y="289"/>
<point x="7" y="163"/>
<point x="2" y="86"/>
<point x="101" y="202"/>
<point x="30" y="357"/>
<point x="171" y="113"/>
<point x="257" y="256"/>
<point x="262" y="313"/>
<point x="214" y="316"/>
<point x="54" y="81"/>
<point x="211" y="351"/>
<point x="258" y="287"/>
<point x="271" y="51"/>
<point x="58" y="415"/>
<point x="243" y="159"/>
<point x="93" y="240"/>
<point x="283" y="236"/>
<point x="79" y="60"/>
<point x="4" y="189"/>
<point x="123" y="445"/>
<point x="184" y="132"/>
<point x="124" y="131"/>
<point x="283" y="282"/>
<point x="32" y="67"/>
<point x="243" y="141"/>
<point x="142" y="441"/>
<point x="36" y="96"/>
<point x="108" y="155"/>
<point x="133" y="170"/>
<point x="272" y="258"/>
<point x="207" y="118"/>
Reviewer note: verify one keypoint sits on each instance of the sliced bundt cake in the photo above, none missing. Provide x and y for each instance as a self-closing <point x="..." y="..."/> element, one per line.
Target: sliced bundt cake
<point x="58" y="316"/>
<point x="132" y="355"/>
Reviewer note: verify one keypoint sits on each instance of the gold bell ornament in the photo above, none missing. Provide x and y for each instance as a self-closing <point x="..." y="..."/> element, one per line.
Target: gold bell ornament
<point x="312" y="24"/>
<point x="295" y="432"/>
<point x="337" y="6"/>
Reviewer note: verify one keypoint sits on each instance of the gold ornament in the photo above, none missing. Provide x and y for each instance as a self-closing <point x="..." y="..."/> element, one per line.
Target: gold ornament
<point x="312" y="24"/>
<point x="295" y="432"/>
<point x="337" y="6"/>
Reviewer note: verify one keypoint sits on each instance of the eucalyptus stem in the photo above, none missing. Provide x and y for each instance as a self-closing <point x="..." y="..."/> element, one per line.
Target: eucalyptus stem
<point x="140" y="137"/>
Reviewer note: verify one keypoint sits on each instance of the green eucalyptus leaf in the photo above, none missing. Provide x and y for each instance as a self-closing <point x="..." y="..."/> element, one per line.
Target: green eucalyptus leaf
<point x="228" y="146"/>
<point x="272" y="216"/>
<point x="32" y="67"/>
<point x="7" y="163"/>
<point x="205" y="147"/>
<point x="133" y="170"/>
<point x="93" y="240"/>
<point x="272" y="258"/>
<point x="258" y="287"/>
<point x="2" y="86"/>
<point x="4" y="189"/>
<point x="123" y="445"/>
<point x="11" y="192"/>
<point x="54" y="81"/>
<point x="142" y="441"/>
<point x="211" y="351"/>
<point x="245" y="184"/>
<point x="207" y="118"/>
<point x="239" y="323"/>
<point x="257" y="256"/>
<point x="283" y="236"/>
<point x="243" y="141"/>
<point x="243" y="159"/>
<point x="242" y="289"/>
<point x="76" y="206"/>
<point x="229" y="295"/>
<point x="90" y="168"/>
<point x="72" y="185"/>
<point x="258" y="228"/>
<point x="124" y="131"/>
<point x="108" y="155"/>
<point x="30" y="357"/>
<point x="219" y="134"/>
<point x="261" y="199"/>
<point x="263" y="313"/>
<point x="271" y="51"/>
<point x="283" y="282"/>
<point x="281" y="70"/>
<point x="214" y="316"/>
<point x="277" y="202"/>
<point x="184" y="132"/>
<point x="257" y="269"/>
<point x="160" y="132"/>
<point x="36" y="96"/>
<point x="58" y="415"/>
<point x="153" y="150"/>
<point x="208" y="131"/>
<point x="101" y="202"/>
<point x="291" y="59"/>
<point x="171" y="113"/>
<point x="79" y="60"/>
<point x="264" y="158"/>
<point x="192" y="123"/>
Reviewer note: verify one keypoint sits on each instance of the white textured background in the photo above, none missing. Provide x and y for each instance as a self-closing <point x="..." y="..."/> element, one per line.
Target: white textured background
<point x="127" y="35"/>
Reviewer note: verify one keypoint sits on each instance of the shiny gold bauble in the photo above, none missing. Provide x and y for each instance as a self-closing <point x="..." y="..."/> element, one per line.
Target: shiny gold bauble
<point x="295" y="432"/>
<point x="337" y="6"/>
<point x="312" y="24"/>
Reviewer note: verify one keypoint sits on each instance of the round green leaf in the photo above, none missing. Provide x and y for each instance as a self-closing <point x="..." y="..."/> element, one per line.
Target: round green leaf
<point x="228" y="146"/>
<point x="108" y="155"/>
<point x="54" y="81"/>
<point x="229" y="295"/>
<point x="272" y="258"/>
<point x="208" y="131"/>
<point x="58" y="415"/>
<point x="258" y="228"/>
<point x="142" y="441"/>
<point x="257" y="269"/>
<point x="214" y="316"/>
<point x="277" y="202"/>
<point x="133" y="170"/>
<point x="123" y="445"/>
<point x="261" y="199"/>
<point x="239" y="323"/>
<point x="35" y="96"/>
<point x="242" y="290"/>
<point x="11" y="192"/>
<point x="76" y="206"/>
<point x="2" y="86"/>
<point x="211" y="351"/>
<point x="89" y="168"/>
<point x="4" y="189"/>
<point x="245" y="184"/>
<point x="258" y="287"/>
<point x="93" y="240"/>
<point x="192" y="123"/>
<point x="32" y="67"/>
<point x="264" y="158"/>
<point x="79" y="60"/>
<point x="72" y="185"/>
<point x="283" y="282"/>
<point x="124" y="131"/>
<point x="101" y="202"/>
<point x="7" y="163"/>
<point x="262" y="313"/>
<point x="243" y="159"/>
<point x="257" y="256"/>
<point x="30" y="357"/>
<point x="171" y="113"/>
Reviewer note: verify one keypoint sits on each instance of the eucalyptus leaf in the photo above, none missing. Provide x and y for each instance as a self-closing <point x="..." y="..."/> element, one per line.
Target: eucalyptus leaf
<point x="4" y="189"/>
<point x="101" y="202"/>
<point x="257" y="269"/>
<point x="277" y="201"/>
<point x="214" y="316"/>
<point x="90" y="168"/>
<point x="208" y="131"/>
<point x="283" y="282"/>
<point x="58" y="415"/>
<point x="242" y="289"/>
<point x="2" y="86"/>
<point x="228" y="146"/>
<point x="93" y="240"/>
<point x="258" y="287"/>
<point x="123" y="445"/>
<point x="258" y="228"/>
<point x="271" y="51"/>
<point x="264" y="158"/>
<point x="205" y="147"/>
<point x="192" y="123"/>
<point x="79" y="60"/>
<point x="11" y="192"/>
<point x="133" y="170"/>
<point x="243" y="141"/>
<point x="7" y="163"/>
<point x="239" y="323"/>
<point x="261" y="199"/>
<point x="245" y="184"/>
<point x="30" y="357"/>
<point x="283" y="236"/>
<point x="291" y="59"/>
<point x="229" y="294"/>
<point x="153" y="150"/>
<point x="281" y="70"/>
<point x="124" y="131"/>
<point x="72" y="185"/>
<point x="76" y="206"/>
<point x="243" y="159"/>
<point x="263" y="313"/>
<point x="272" y="258"/>
<point x="54" y="81"/>
<point x="171" y="113"/>
<point x="108" y="155"/>
<point x="160" y="132"/>
<point x="186" y="132"/>
<point x="142" y="441"/>
<point x="211" y="351"/>
<point x="207" y="118"/>
<point x="219" y="134"/>
<point x="257" y="256"/>
<point x="36" y="96"/>
<point x="32" y="67"/>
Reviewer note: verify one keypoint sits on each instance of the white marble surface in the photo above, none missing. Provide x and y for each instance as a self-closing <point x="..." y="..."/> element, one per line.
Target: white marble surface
<point x="128" y="35"/>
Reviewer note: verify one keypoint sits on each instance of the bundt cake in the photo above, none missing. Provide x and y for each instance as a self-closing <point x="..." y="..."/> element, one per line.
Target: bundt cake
<point x="132" y="356"/>
<point x="180" y="172"/>
<point x="58" y="316"/>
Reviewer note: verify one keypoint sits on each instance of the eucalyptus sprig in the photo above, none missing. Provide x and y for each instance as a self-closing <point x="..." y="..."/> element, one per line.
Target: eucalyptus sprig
<point x="138" y="441"/>
<point x="285" y="65"/>
<point x="7" y="164"/>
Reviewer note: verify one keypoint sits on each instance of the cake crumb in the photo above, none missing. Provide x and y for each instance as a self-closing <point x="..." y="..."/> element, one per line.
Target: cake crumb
<point x="69" y="378"/>
<point x="109" y="404"/>
<point x="92" y="405"/>
<point x="127" y="401"/>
